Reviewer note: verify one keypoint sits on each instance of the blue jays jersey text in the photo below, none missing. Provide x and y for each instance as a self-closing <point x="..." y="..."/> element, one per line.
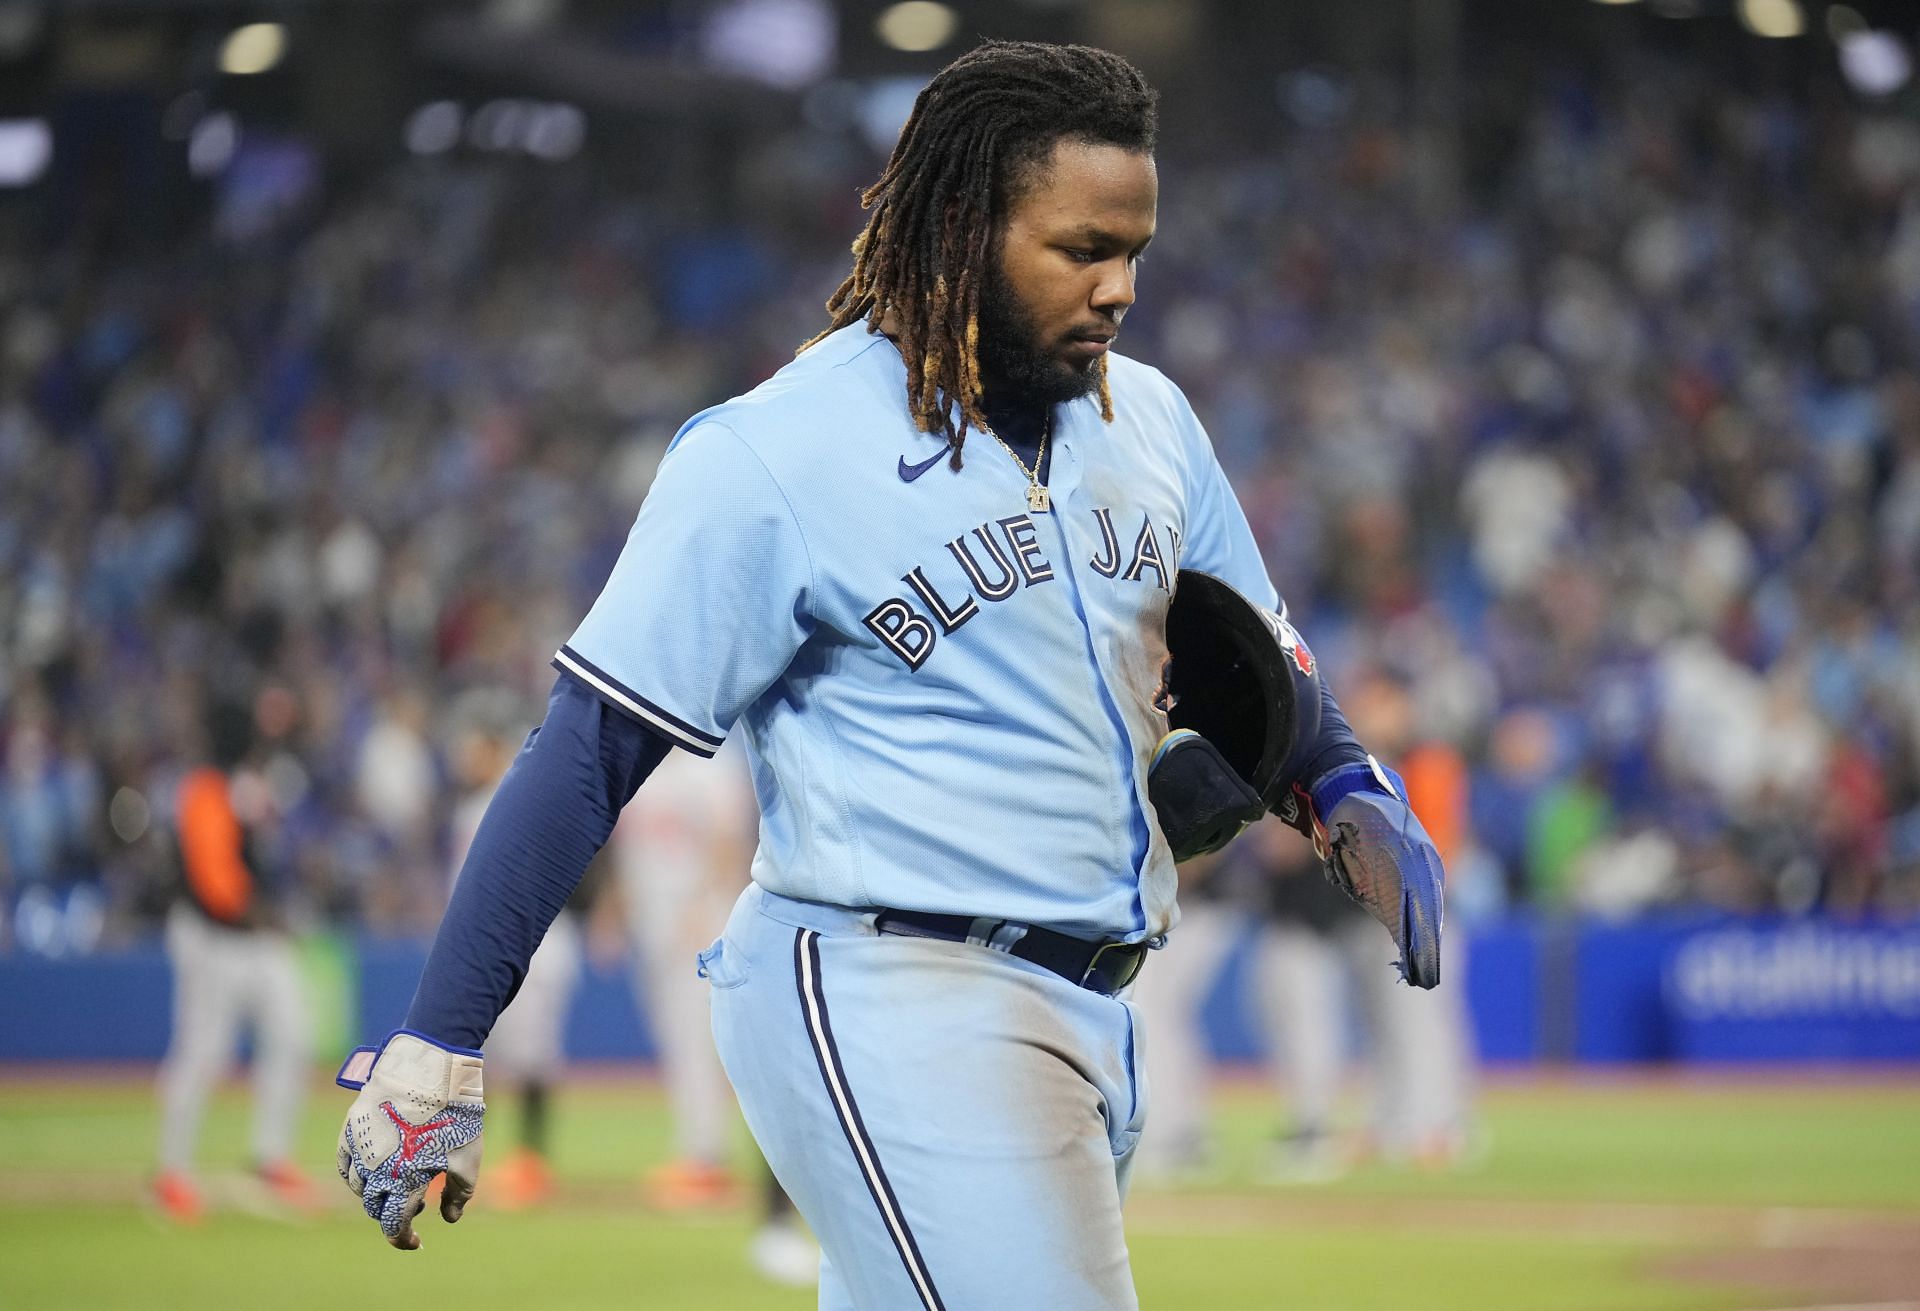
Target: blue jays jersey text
<point x="949" y="700"/>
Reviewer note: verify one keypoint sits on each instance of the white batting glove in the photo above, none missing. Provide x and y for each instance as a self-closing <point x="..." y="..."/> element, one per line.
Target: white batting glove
<point x="419" y="1113"/>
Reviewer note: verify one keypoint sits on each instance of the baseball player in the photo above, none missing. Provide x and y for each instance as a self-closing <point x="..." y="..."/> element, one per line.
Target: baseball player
<point x="681" y="851"/>
<point x="234" y="967"/>
<point x="1167" y="1001"/>
<point x="927" y="568"/>
<point x="1424" y="1083"/>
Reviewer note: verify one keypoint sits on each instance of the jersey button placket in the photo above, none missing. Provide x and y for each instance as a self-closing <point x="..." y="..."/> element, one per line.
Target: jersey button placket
<point x="1064" y="479"/>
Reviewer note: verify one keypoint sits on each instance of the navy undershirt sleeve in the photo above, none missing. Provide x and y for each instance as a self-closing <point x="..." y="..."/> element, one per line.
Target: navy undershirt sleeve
<point x="553" y="811"/>
<point x="1337" y="744"/>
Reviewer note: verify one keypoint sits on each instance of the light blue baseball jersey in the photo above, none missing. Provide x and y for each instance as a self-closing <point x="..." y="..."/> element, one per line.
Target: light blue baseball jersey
<point x="948" y="698"/>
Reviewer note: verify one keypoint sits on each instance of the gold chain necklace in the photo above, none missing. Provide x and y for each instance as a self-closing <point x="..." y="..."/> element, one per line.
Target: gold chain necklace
<point x="1039" y="499"/>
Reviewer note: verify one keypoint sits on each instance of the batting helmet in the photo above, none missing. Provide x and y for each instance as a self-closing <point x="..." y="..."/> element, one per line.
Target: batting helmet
<point x="1241" y="677"/>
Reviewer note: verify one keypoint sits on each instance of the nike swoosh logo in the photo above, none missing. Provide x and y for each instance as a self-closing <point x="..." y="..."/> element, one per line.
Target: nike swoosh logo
<point x="908" y="472"/>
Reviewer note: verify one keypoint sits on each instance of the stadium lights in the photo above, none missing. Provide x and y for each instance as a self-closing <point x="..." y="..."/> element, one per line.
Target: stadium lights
<point x="213" y="143"/>
<point x="550" y="131"/>
<point x="1773" y="18"/>
<point x="917" y="25"/>
<point x="26" y="146"/>
<point x="255" y="48"/>
<point x="1875" y="63"/>
<point x="788" y="44"/>
<point x="884" y="108"/>
<point x="434" y="129"/>
<point x="554" y="132"/>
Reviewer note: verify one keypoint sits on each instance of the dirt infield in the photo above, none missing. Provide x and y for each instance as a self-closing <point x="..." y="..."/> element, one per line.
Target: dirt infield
<point x="1853" y="1274"/>
<point x="1815" y="1259"/>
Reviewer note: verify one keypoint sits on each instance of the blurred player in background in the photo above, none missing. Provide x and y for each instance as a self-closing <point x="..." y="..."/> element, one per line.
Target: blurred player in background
<point x="526" y="1050"/>
<point x="1213" y="916"/>
<point x="1424" y="1051"/>
<point x="681" y="850"/>
<point x="1320" y="980"/>
<point x="235" y="970"/>
<point x="1314" y="962"/>
<point x="1268" y="886"/>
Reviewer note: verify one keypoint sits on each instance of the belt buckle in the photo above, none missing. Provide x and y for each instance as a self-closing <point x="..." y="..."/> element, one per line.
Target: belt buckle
<point x="1132" y="967"/>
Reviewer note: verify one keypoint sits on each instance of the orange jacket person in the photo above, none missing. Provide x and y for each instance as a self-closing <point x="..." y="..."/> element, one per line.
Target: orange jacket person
<point x="233" y="967"/>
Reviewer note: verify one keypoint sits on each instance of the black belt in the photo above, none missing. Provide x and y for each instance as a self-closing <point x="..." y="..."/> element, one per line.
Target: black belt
<point x="1102" y="967"/>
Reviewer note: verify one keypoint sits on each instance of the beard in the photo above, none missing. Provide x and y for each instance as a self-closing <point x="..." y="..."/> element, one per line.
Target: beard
<point x="1019" y="372"/>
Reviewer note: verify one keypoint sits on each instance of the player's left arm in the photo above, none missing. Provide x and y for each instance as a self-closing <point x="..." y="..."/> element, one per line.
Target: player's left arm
<point x="686" y="634"/>
<point x="1351" y="806"/>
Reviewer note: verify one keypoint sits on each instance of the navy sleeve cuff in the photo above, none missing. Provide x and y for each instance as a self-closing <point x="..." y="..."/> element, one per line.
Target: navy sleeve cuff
<point x="1337" y="747"/>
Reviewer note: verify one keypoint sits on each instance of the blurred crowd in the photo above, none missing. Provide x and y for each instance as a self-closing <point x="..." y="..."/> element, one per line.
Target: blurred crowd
<point x="1605" y="447"/>
<point x="1617" y="468"/>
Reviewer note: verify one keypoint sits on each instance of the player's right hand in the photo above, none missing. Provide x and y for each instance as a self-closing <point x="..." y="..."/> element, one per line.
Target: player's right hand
<point x="419" y="1113"/>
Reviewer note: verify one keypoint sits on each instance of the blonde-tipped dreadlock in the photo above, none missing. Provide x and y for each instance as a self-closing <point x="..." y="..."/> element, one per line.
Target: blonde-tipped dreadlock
<point x="984" y="119"/>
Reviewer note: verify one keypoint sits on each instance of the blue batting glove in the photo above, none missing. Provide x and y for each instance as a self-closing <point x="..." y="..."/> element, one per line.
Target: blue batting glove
<point x="1377" y="852"/>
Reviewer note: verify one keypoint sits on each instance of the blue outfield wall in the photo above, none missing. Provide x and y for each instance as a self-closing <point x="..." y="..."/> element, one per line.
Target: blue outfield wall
<point x="604" y="1025"/>
<point x="1681" y="988"/>
<point x="111" y="1007"/>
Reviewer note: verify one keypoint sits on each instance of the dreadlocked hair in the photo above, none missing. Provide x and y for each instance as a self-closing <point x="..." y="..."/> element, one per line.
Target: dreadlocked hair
<point x="975" y="131"/>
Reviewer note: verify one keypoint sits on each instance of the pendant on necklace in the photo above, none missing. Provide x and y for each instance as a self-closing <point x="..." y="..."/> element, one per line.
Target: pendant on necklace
<point x="1039" y="499"/>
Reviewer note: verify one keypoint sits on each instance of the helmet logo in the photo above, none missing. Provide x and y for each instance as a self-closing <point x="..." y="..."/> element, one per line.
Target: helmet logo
<point x="1296" y="647"/>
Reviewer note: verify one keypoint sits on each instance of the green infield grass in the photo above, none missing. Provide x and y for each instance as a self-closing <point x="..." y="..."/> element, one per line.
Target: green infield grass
<point x="1749" y="1193"/>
